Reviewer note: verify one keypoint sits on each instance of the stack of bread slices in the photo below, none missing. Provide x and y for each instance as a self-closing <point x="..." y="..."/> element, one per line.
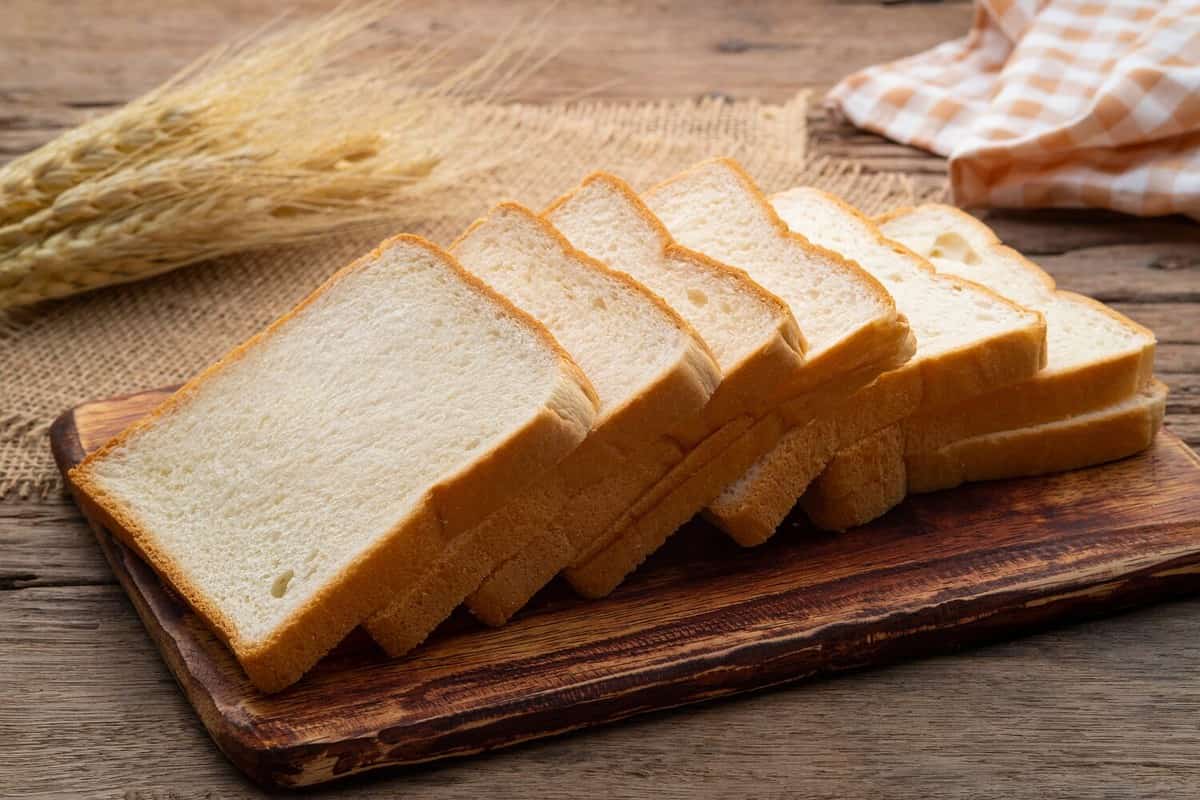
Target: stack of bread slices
<point x="558" y="392"/>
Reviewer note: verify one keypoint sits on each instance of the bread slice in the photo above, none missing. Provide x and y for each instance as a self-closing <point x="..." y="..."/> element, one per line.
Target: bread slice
<point x="1095" y="356"/>
<point x="865" y="477"/>
<point x="1106" y="434"/>
<point x="882" y="474"/>
<point x="650" y="370"/>
<point x="289" y="488"/>
<point x="849" y="321"/>
<point x="751" y="333"/>
<point x="969" y="340"/>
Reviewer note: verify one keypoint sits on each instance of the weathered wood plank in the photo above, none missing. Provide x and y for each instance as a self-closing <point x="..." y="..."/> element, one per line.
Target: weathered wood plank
<point x="1043" y="232"/>
<point x="1174" y="323"/>
<point x="765" y="49"/>
<point x="1184" y="399"/>
<point x="1186" y="428"/>
<point x="1178" y="358"/>
<point x="1153" y="272"/>
<point x="48" y="544"/>
<point x="1099" y="716"/>
<point x="79" y="674"/>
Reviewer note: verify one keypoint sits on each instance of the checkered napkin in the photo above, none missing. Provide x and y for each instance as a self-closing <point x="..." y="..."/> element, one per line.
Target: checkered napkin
<point x="1052" y="103"/>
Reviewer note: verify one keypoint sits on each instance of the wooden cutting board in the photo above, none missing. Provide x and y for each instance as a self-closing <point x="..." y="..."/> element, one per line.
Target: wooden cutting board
<point x="703" y="618"/>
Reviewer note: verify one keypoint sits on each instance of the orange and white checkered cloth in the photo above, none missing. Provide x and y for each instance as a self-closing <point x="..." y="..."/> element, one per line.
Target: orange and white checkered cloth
<point x="1052" y="103"/>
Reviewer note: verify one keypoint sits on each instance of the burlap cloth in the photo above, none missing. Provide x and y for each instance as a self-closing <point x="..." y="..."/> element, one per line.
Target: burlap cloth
<point x="161" y="331"/>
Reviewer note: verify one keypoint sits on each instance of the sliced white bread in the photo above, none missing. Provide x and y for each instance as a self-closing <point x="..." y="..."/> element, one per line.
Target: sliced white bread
<point x="1106" y="434"/>
<point x="863" y="478"/>
<point x="649" y="368"/>
<point x="1095" y="356"/>
<point x="849" y="321"/>
<point x="289" y="488"/>
<point x="969" y="340"/>
<point x="751" y="333"/>
<point x="880" y="474"/>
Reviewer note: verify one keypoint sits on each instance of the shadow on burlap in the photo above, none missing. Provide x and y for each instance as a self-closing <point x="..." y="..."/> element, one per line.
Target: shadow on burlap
<point x="162" y="330"/>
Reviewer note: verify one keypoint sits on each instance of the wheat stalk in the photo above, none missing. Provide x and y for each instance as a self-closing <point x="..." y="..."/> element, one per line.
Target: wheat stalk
<point x="281" y="137"/>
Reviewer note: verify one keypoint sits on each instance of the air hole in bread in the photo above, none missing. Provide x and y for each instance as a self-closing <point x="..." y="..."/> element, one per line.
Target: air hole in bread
<point x="361" y="155"/>
<point x="599" y="303"/>
<point x="282" y="581"/>
<point x="697" y="297"/>
<point x="953" y="246"/>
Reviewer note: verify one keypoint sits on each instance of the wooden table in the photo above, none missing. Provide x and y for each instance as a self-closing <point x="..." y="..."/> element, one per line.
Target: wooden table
<point x="1107" y="708"/>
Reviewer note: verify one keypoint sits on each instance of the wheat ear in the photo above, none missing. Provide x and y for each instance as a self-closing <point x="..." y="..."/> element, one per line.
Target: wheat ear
<point x="292" y="132"/>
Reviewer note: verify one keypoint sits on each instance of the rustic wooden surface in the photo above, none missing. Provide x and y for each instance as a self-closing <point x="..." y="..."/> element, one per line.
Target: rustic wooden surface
<point x="702" y="619"/>
<point x="1104" y="709"/>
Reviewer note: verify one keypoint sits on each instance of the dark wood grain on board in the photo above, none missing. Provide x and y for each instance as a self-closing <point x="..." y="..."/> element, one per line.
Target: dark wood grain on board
<point x="702" y="619"/>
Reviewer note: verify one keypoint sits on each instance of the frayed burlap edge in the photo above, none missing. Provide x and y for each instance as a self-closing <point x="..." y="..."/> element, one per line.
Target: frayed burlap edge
<point x="162" y="330"/>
